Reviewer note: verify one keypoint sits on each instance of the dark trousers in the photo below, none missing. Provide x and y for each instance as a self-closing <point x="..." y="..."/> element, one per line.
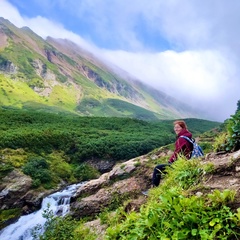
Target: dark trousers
<point x="158" y="170"/>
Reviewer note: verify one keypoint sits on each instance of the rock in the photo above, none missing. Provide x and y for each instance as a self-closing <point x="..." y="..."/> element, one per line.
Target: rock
<point x="102" y="166"/>
<point x="127" y="167"/>
<point x="226" y="174"/>
<point x="8" y="67"/>
<point x="105" y="197"/>
<point x="13" y="188"/>
<point x="92" y="197"/>
<point x="93" y="185"/>
<point x="119" y="171"/>
<point x="16" y="192"/>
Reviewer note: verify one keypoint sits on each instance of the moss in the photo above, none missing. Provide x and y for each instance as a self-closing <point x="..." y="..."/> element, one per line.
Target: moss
<point x="7" y="216"/>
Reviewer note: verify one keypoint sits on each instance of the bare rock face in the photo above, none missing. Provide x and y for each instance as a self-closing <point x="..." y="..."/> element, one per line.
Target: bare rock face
<point x="13" y="188"/>
<point x="16" y="192"/>
<point x="227" y="172"/>
<point x="8" y="67"/>
<point x="121" y="170"/>
<point x="133" y="176"/>
<point x="107" y="197"/>
<point x="111" y="188"/>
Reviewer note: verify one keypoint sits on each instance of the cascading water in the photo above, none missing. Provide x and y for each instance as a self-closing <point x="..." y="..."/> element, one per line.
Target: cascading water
<point x="58" y="203"/>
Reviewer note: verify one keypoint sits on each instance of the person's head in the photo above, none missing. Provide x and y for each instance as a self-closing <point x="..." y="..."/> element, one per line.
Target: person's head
<point x="179" y="125"/>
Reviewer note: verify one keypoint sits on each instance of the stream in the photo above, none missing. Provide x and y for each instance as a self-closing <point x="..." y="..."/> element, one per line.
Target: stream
<point x="58" y="203"/>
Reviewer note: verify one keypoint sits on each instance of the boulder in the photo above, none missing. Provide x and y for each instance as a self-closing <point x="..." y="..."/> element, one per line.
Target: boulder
<point x="120" y="170"/>
<point x="13" y="187"/>
<point x="112" y="187"/>
<point x="109" y="197"/>
<point x="16" y="192"/>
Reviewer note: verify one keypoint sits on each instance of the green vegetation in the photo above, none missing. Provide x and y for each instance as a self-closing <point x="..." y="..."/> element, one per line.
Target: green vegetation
<point x="233" y="131"/>
<point x="229" y="139"/>
<point x="117" y="108"/>
<point x="173" y="211"/>
<point x="66" y="142"/>
<point x="87" y="137"/>
<point x="38" y="169"/>
<point x="85" y="172"/>
<point x="5" y="215"/>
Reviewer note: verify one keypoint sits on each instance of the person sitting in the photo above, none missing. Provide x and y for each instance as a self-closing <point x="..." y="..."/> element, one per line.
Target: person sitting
<point x="182" y="146"/>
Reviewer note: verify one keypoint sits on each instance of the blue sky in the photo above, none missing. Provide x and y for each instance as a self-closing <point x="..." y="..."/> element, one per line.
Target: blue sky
<point x="188" y="49"/>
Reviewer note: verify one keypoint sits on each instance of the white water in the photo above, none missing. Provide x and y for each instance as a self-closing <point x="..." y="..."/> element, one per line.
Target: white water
<point x="58" y="202"/>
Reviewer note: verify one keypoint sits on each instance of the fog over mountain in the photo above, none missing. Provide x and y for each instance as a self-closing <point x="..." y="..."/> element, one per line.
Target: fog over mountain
<point x="191" y="54"/>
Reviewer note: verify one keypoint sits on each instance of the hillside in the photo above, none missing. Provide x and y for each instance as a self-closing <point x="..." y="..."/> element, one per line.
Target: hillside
<point x="166" y="212"/>
<point x="113" y="206"/>
<point x="56" y="75"/>
<point x="74" y="140"/>
<point x="198" y="198"/>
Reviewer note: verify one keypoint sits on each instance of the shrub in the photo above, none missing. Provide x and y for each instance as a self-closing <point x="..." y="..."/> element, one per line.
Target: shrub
<point x="5" y="169"/>
<point x="64" y="228"/>
<point x="85" y="172"/>
<point x="220" y="142"/>
<point x="37" y="169"/>
<point x="233" y="129"/>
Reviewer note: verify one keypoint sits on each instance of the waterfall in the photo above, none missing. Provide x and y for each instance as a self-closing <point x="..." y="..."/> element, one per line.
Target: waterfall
<point x="58" y="203"/>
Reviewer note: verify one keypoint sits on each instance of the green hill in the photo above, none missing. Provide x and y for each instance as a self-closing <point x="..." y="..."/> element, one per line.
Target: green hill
<point x="80" y="139"/>
<point x="57" y="75"/>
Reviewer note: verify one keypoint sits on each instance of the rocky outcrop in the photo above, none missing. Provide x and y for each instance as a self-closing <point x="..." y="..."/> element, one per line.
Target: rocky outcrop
<point x="226" y="174"/>
<point x="133" y="176"/>
<point x="7" y="66"/>
<point x="125" y="180"/>
<point x="16" y="192"/>
<point x="13" y="188"/>
<point x="102" y="166"/>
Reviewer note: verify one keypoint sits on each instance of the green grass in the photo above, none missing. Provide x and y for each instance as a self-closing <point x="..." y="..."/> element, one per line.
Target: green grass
<point x="173" y="212"/>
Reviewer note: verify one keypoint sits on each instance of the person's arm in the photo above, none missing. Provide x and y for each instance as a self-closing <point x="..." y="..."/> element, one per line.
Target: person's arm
<point x="179" y="148"/>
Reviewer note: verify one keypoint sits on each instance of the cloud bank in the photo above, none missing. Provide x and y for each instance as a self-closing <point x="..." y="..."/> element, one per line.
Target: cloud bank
<point x="188" y="49"/>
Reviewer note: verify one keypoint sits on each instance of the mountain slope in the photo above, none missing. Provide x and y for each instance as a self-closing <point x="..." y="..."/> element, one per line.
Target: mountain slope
<point x="57" y="75"/>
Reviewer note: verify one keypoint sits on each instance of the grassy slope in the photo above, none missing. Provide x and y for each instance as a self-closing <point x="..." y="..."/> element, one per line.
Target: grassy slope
<point x="24" y="47"/>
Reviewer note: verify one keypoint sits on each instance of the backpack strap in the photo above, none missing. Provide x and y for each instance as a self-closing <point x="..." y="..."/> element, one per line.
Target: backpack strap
<point x="187" y="138"/>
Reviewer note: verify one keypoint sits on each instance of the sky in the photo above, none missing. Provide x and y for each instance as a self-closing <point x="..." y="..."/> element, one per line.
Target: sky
<point x="189" y="49"/>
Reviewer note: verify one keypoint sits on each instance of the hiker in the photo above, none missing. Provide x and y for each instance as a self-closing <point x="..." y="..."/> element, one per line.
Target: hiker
<point x="182" y="146"/>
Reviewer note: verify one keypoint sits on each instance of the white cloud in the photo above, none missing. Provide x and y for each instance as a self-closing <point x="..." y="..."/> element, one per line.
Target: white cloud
<point x="200" y="79"/>
<point x="11" y="13"/>
<point x="203" y="69"/>
<point x="41" y="26"/>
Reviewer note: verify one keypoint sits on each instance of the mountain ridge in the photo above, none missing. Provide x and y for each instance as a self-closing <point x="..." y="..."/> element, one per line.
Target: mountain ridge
<point x="60" y="74"/>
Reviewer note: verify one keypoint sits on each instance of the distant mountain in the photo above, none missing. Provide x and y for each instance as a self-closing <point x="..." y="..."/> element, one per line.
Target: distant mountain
<point x="59" y="76"/>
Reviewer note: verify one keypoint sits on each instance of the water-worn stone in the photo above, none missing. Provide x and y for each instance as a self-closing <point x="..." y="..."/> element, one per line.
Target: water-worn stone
<point x="113" y="194"/>
<point x="16" y="192"/>
<point x="96" y="194"/>
<point x="13" y="187"/>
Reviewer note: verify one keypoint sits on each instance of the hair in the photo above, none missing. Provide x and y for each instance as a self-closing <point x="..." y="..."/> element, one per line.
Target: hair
<point x="181" y="123"/>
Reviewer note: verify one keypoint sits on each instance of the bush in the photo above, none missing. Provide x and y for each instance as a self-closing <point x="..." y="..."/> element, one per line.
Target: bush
<point x="220" y="142"/>
<point x="37" y="169"/>
<point x="5" y="169"/>
<point x="61" y="228"/>
<point x="233" y="129"/>
<point x="85" y="172"/>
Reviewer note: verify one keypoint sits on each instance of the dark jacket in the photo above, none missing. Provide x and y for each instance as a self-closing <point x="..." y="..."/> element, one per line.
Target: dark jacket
<point x="182" y="146"/>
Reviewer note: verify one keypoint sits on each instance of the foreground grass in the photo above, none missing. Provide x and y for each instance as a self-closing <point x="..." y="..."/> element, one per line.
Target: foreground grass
<point x="172" y="211"/>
